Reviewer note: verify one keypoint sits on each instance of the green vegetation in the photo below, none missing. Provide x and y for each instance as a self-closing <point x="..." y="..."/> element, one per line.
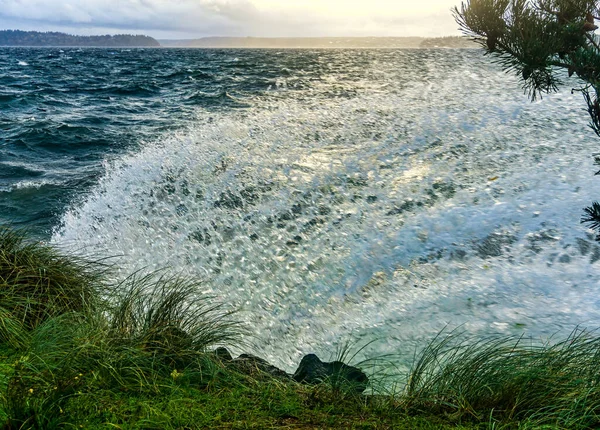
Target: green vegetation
<point x="77" y="352"/>
<point x="508" y="380"/>
<point x="539" y="41"/>
<point x="53" y="38"/>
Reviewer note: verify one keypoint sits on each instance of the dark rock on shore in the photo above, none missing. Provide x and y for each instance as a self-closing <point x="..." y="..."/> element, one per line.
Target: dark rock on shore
<point x="311" y="371"/>
<point x="314" y="371"/>
<point x="223" y="354"/>
<point x="252" y="365"/>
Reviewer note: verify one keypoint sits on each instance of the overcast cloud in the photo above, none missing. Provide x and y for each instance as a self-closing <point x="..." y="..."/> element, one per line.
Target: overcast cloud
<point x="259" y="18"/>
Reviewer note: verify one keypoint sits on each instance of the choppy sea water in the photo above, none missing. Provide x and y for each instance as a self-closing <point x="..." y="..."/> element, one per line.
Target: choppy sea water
<point x="329" y="195"/>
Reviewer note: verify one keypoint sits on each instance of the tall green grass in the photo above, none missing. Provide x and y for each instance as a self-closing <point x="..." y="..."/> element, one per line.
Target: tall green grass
<point x="72" y="328"/>
<point x="38" y="283"/>
<point x="505" y="379"/>
<point x="78" y="351"/>
<point x="169" y="317"/>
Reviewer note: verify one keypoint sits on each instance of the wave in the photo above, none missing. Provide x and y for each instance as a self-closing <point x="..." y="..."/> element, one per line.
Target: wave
<point x="25" y="185"/>
<point x="219" y="98"/>
<point x="382" y="215"/>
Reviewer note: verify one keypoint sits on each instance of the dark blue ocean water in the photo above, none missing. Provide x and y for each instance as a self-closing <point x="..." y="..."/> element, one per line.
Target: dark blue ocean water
<point x="327" y="195"/>
<point x="65" y="111"/>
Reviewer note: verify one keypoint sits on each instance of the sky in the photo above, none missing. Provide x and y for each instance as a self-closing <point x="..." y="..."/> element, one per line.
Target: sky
<point x="180" y="19"/>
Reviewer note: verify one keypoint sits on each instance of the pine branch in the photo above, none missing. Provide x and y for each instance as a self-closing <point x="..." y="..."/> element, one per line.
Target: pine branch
<point x="592" y="218"/>
<point x="597" y="162"/>
<point x="594" y="111"/>
<point x="536" y="38"/>
<point x="592" y="41"/>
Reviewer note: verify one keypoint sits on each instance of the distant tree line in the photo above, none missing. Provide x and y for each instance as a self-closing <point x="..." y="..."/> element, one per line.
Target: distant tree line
<point x="52" y="38"/>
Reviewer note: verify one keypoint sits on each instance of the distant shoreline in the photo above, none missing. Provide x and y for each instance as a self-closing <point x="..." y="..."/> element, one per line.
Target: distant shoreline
<point x="35" y="39"/>
<point x="319" y="42"/>
<point x="19" y="38"/>
<point x="235" y="47"/>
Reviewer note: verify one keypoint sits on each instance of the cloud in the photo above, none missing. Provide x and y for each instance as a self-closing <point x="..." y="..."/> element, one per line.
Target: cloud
<point x="195" y="18"/>
<point x="174" y="15"/>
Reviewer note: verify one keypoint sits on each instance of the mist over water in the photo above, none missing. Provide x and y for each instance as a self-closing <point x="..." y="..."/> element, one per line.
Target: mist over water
<point x="341" y="195"/>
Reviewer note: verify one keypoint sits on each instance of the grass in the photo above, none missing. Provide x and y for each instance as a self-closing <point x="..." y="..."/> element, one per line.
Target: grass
<point x="38" y="283"/>
<point x="78" y="353"/>
<point x="510" y="380"/>
<point x="169" y="317"/>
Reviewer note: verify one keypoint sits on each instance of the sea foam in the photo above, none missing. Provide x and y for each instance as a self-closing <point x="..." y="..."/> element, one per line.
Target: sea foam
<point x="386" y="215"/>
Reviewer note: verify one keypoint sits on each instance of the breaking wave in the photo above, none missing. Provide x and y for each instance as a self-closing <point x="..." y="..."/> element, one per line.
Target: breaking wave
<point x="387" y="212"/>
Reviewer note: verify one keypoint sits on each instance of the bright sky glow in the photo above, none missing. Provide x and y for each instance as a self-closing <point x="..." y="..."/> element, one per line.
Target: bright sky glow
<point x="259" y="18"/>
<point x="358" y="8"/>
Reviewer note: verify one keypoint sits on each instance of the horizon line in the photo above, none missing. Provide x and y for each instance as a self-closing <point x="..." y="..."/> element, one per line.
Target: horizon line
<point x="237" y="37"/>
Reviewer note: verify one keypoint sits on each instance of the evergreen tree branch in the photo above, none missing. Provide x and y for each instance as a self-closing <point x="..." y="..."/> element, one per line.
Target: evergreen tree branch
<point x="536" y="39"/>
<point x="591" y="216"/>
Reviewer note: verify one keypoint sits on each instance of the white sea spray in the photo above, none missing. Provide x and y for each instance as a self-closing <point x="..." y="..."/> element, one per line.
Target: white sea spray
<point x="390" y="214"/>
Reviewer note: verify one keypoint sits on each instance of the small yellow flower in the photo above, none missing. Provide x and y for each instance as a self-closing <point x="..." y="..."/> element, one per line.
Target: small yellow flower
<point x="175" y="374"/>
<point x="31" y="391"/>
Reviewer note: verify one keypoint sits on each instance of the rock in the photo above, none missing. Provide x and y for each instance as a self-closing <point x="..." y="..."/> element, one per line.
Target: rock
<point x="314" y="371"/>
<point x="223" y="354"/>
<point x="253" y="365"/>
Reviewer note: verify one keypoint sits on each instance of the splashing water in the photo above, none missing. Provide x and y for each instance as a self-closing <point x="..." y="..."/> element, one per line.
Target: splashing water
<point x="439" y="197"/>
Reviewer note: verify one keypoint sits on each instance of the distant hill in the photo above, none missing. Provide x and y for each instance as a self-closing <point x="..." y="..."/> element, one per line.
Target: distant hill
<point x="36" y="38"/>
<point x="319" y="42"/>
